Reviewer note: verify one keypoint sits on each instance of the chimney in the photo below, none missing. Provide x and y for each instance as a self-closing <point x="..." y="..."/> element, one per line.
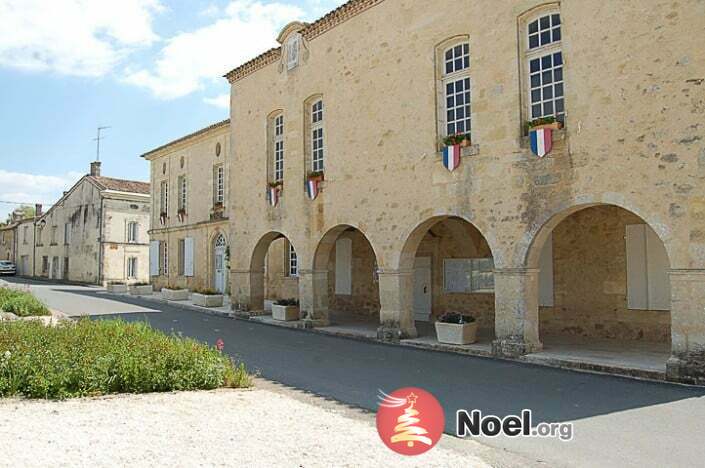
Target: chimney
<point x="38" y="210"/>
<point x="95" y="168"/>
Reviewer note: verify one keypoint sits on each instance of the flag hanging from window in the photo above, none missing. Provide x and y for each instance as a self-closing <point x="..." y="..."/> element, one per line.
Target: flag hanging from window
<point x="312" y="188"/>
<point x="451" y="157"/>
<point x="541" y="141"/>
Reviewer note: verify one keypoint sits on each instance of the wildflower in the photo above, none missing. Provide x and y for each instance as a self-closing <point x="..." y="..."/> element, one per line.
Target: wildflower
<point x="220" y="344"/>
<point x="7" y="355"/>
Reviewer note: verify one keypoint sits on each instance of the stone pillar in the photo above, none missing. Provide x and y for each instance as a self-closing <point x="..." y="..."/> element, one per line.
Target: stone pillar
<point x="396" y="295"/>
<point x="516" y="312"/>
<point x="687" y="362"/>
<point x="313" y="297"/>
<point x="247" y="292"/>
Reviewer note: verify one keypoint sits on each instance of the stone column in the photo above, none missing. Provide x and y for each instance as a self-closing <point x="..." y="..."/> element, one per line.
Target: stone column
<point x="396" y="295"/>
<point x="516" y="312"/>
<point x="247" y="292"/>
<point x="687" y="362"/>
<point x="313" y="297"/>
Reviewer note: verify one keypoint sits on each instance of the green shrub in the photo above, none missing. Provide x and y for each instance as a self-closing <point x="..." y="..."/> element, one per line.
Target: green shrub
<point x="90" y="358"/>
<point x="21" y="303"/>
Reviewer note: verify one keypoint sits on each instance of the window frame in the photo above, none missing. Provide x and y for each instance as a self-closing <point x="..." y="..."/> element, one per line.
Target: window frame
<point x="131" y="270"/>
<point x="219" y="184"/>
<point x="183" y="192"/>
<point x="474" y="263"/>
<point x="278" y="147"/>
<point x="446" y="77"/>
<point x="528" y="55"/>
<point x="317" y="134"/>
<point x="67" y="233"/>
<point x="164" y="264"/>
<point x="292" y="262"/>
<point x="164" y="197"/>
<point x="132" y="232"/>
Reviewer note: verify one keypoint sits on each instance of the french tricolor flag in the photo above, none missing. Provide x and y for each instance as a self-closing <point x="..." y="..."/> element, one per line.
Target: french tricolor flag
<point x="451" y="157"/>
<point x="541" y="141"/>
<point x="312" y="188"/>
<point x="273" y="196"/>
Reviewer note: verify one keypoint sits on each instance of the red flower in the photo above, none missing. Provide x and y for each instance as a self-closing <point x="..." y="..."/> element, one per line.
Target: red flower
<point x="220" y="344"/>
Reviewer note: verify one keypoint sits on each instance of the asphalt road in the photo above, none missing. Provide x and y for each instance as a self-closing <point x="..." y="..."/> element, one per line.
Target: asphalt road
<point x="617" y="421"/>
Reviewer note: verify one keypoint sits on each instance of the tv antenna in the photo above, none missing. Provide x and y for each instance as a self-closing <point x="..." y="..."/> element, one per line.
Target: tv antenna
<point x="97" y="140"/>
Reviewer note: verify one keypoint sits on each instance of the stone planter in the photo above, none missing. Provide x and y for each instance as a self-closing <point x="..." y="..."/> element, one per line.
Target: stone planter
<point x="285" y="313"/>
<point x="175" y="294"/>
<point x="552" y="126"/>
<point x="457" y="334"/>
<point x="143" y="290"/>
<point x="204" y="300"/>
<point x="117" y="288"/>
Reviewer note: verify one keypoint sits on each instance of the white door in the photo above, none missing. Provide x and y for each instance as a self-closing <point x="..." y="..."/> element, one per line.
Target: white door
<point x="219" y="266"/>
<point x="422" y="289"/>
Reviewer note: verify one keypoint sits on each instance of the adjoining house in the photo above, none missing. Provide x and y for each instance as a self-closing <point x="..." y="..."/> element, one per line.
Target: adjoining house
<point x="7" y="241"/>
<point x="347" y="193"/>
<point x="96" y="233"/>
<point x="190" y="215"/>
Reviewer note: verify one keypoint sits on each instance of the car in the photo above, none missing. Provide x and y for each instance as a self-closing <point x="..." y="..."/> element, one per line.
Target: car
<point x="7" y="268"/>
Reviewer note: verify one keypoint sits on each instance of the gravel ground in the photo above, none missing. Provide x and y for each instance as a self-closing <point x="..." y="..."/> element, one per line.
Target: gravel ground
<point x="267" y="426"/>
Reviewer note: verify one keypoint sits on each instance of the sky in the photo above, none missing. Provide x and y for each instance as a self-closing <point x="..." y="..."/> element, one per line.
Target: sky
<point x="151" y="70"/>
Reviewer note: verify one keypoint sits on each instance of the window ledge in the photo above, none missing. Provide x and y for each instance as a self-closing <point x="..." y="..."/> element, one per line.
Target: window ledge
<point x="467" y="151"/>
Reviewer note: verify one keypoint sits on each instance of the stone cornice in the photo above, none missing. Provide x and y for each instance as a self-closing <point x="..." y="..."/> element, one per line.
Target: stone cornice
<point x="311" y="31"/>
<point x="186" y="139"/>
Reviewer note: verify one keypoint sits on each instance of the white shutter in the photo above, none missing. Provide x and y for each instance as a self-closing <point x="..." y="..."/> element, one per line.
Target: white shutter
<point x="188" y="256"/>
<point x="154" y="257"/>
<point x="648" y="285"/>
<point x="343" y="267"/>
<point x="657" y="272"/>
<point x="546" y="274"/>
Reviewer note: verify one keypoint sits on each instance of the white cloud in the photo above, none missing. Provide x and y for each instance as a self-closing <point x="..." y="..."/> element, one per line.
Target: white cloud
<point x="31" y="188"/>
<point x="222" y="101"/>
<point x="73" y="37"/>
<point x="190" y="60"/>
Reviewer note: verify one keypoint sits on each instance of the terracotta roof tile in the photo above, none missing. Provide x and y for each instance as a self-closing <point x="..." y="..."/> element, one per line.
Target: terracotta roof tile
<point x="120" y="185"/>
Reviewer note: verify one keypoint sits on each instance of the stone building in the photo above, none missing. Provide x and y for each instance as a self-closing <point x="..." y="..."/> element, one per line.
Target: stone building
<point x="24" y="244"/>
<point x="190" y="228"/>
<point x="602" y="238"/>
<point x="7" y="241"/>
<point x="96" y="233"/>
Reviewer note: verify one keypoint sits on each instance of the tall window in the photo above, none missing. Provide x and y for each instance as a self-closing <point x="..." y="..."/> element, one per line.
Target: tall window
<point x="278" y="148"/>
<point x="164" y="197"/>
<point x="53" y="234"/>
<point x="165" y="258"/>
<point x="182" y="257"/>
<point x="67" y="233"/>
<point x="544" y="61"/>
<point x="456" y="86"/>
<point x="317" y="138"/>
<point x="218" y="184"/>
<point x="25" y="233"/>
<point x="132" y="231"/>
<point x="182" y="193"/>
<point x="292" y="262"/>
<point x="132" y="267"/>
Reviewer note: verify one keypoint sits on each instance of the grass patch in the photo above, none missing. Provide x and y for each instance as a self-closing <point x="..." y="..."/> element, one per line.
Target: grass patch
<point x="90" y="358"/>
<point x="21" y="303"/>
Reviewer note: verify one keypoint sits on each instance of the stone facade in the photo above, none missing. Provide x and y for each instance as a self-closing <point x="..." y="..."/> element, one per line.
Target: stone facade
<point x="200" y="215"/>
<point x="7" y="242"/>
<point x="25" y="246"/>
<point x="633" y="139"/>
<point x="85" y="237"/>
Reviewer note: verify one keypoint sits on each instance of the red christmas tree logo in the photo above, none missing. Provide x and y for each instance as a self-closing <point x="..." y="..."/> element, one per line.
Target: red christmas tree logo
<point x="410" y="421"/>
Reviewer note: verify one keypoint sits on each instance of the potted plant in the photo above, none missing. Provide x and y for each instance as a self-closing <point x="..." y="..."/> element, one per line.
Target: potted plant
<point x="544" y="122"/>
<point x="462" y="139"/>
<point x="458" y="329"/>
<point x="286" y="310"/>
<point x="317" y="176"/>
<point x="116" y="287"/>
<point x="141" y="289"/>
<point x="207" y="298"/>
<point x="171" y="293"/>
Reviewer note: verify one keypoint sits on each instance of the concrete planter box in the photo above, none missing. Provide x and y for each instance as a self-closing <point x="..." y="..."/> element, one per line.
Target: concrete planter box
<point x="141" y="290"/>
<point x="117" y="288"/>
<point x="175" y="294"/>
<point x="285" y="313"/>
<point x="457" y="334"/>
<point x="204" y="300"/>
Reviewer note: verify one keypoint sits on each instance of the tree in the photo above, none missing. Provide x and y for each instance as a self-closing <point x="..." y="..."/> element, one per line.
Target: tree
<point x="23" y="212"/>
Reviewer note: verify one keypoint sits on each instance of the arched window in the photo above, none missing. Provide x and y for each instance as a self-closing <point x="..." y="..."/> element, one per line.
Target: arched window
<point x="544" y="65"/>
<point x="454" y="89"/>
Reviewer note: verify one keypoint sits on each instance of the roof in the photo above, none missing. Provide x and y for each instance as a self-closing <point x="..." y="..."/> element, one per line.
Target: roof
<point x="310" y="31"/>
<point x="207" y="129"/>
<point x="120" y="185"/>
